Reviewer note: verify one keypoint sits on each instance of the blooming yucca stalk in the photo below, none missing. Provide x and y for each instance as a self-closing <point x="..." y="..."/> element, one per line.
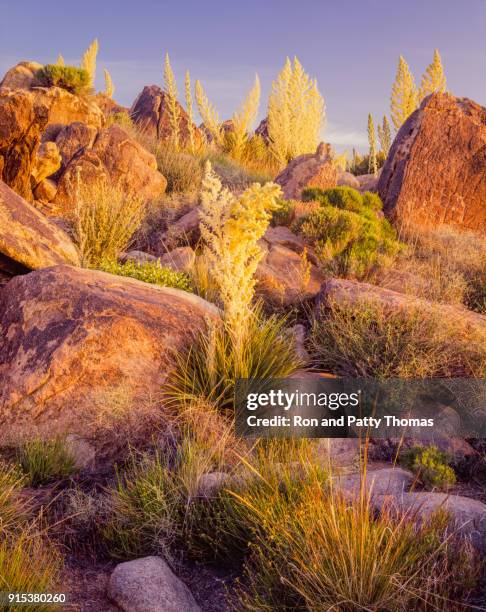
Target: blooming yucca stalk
<point x="244" y="118"/>
<point x="109" y="87"/>
<point x="208" y="114"/>
<point x="190" y="113"/>
<point x="172" y="105"/>
<point x="433" y="78"/>
<point x="295" y="113"/>
<point x="231" y="228"/>
<point x="404" y="96"/>
<point x="88" y="61"/>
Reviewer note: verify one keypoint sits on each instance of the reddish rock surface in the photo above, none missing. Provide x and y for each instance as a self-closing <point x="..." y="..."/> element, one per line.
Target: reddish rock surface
<point x="150" y="113"/>
<point x="20" y="76"/>
<point x="22" y="121"/>
<point x="436" y="170"/>
<point x="116" y="157"/>
<point x="29" y="239"/>
<point x="348" y="291"/>
<point x="69" y="337"/>
<point x="310" y="170"/>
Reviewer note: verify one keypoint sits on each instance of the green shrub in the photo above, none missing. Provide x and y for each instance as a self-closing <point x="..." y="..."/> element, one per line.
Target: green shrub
<point x="44" y="461"/>
<point x="212" y="364"/>
<point x="75" y="80"/>
<point x="431" y="465"/>
<point x="360" y="164"/>
<point x="348" y="235"/>
<point x="368" y="339"/>
<point x="149" y="272"/>
<point x="285" y="214"/>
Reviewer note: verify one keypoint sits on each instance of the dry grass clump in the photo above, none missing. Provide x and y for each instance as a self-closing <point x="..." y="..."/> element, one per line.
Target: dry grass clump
<point x="183" y="171"/>
<point x="28" y="561"/>
<point x="368" y="339"/>
<point x="442" y="264"/>
<point x="43" y="461"/>
<point x="105" y="219"/>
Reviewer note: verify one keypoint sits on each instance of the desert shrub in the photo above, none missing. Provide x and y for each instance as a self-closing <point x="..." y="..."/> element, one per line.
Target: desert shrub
<point x="236" y="175"/>
<point x="431" y="465"/>
<point x="368" y="339"/>
<point x="149" y="272"/>
<point x="43" y="461"/>
<point x="75" y="80"/>
<point x="285" y="213"/>
<point x="29" y="564"/>
<point x="105" y="219"/>
<point x="345" y="231"/>
<point x="151" y="506"/>
<point x="441" y="264"/>
<point x="304" y="547"/>
<point x="182" y="170"/>
<point x="213" y="362"/>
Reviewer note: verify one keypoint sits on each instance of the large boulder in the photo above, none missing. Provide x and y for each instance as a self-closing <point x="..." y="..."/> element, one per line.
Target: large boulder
<point x="70" y="338"/>
<point x="114" y="157"/>
<point x="467" y="516"/>
<point x="149" y="585"/>
<point x="151" y="115"/>
<point x="47" y="162"/>
<point x="20" y="76"/>
<point x="65" y="107"/>
<point x="28" y="240"/>
<point x="341" y="291"/>
<point x="436" y="170"/>
<point x="22" y="121"/>
<point x="310" y="170"/>
<point x="74" y="139"/>
<point x="287" y="273"/>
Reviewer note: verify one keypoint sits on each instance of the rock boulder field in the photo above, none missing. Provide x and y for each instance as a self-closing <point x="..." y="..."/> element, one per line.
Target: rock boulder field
<point x="309" y="170"/>
<point x="69" y="335"/>
<point x="28" y="240"/>
<point x="151" y="115"/>
<point x="436" y="170"/>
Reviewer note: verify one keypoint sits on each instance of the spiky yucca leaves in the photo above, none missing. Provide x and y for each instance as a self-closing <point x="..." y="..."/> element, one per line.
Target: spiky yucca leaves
<point x="217" y="359"/>
<point x="244" y="118"/>
<point x="404" y="96"/>
<point x="231" y="228"/>
<point x="60" y="60"/>
<point x="88" y="61"/>
<point x="190" y="112"/>
<point x="208" y="114"/>
<point x="384" y="135"/>
<point x="295" y="113"/>
<point x="433" y="78"/>
<point x="172" y="105"/>
<point x="109" y="87"/>
<point x="372" y="165"/>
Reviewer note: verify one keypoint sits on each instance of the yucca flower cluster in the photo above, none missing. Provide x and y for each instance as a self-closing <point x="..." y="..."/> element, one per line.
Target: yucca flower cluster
<point x="231" y="227"/>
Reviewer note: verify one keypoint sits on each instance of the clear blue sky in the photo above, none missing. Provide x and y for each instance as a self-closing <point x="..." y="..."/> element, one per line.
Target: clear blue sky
<point x="351" y="46"/>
